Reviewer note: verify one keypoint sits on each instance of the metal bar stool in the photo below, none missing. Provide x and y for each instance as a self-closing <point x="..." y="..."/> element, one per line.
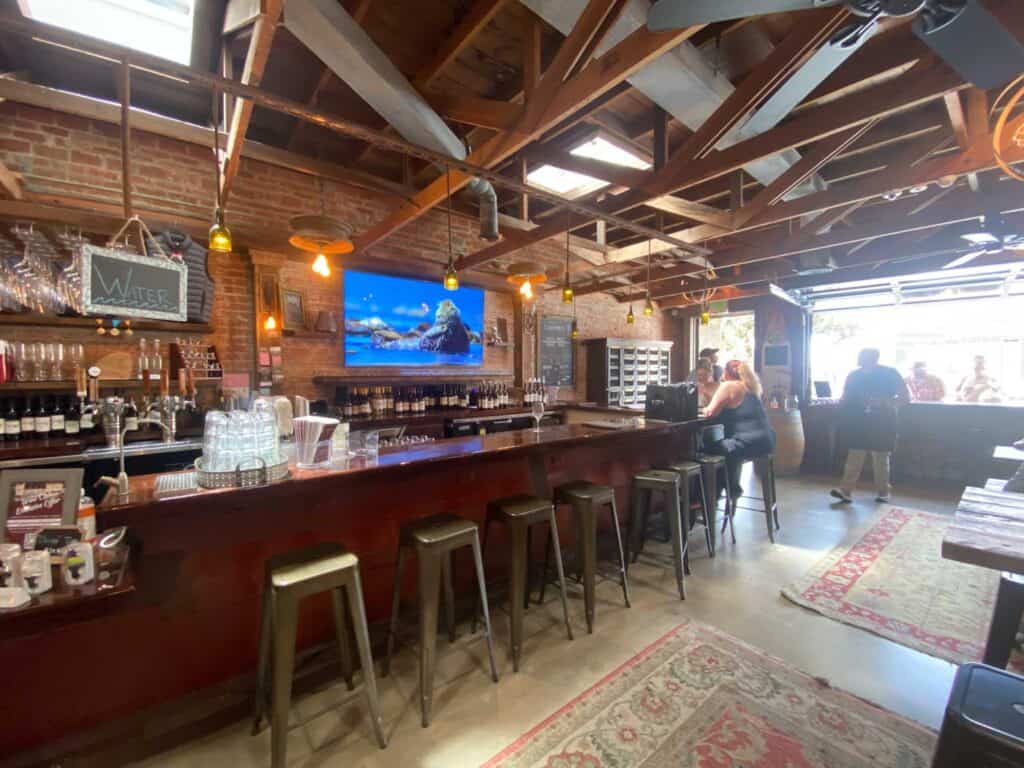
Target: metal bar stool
<point x="289" y="578"/>
<point x="764" y="466"/>
<point x="703" y="510"/>
<point x="712" y="465"/>
<point x="585" y="499"/>
<point x="677" y="494"/>
<point x="518" y="513"/>
<point x="434" y="539"/>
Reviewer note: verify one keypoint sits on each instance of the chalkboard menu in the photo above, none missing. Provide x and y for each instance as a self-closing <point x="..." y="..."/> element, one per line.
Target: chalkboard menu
<point x="555" y="351"/>
<point x="131" y="285"/>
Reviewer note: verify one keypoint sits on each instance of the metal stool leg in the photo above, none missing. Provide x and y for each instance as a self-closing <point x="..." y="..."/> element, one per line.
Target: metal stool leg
<point x="730" y="508"/>
<point x="357" y="610"/>
<point x="587" y="542"/>
<point x="526" y="570"/>
<point x="482" y="585"/>
<point x="476" y="600"/>
<point x="775" y="498"/>
<point x="341" y="630"/>
<point x="639" y="501"/>
<point x="447" y="563"/>
<point x="622" y="556"/>
<point x="682" y="501"/>
<point x="285" y="617"/>
<point x="396" y="598"/>
<point x="517" y="586"/>
<point x="710" y="516"/>
<point x="766" y="494"/>
<point x="429" y="564"/>
<point x="547" y="560"/>
<point x="260" y="699"/>
<point x="709" y="484"/>
<point x="554" y="544"/>
<point x="677" y="524"/>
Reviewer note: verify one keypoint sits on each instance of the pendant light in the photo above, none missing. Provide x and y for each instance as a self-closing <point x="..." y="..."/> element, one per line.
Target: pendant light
<point x="648" y="304"/>
<point x="574" y="332"/>
<point x="526" y="274"/>
<point x="567" y="292"/>
<point x="705" y="309"/>
<point x="322" y="235"/>
<point x="451" y="278"/>
<point x="220" y="235"/>
<point x="630" y="317"/>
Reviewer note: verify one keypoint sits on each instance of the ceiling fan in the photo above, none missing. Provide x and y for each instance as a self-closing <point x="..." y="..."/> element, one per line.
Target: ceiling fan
<point x="962" y="32"/>
<point x="993" y="235"/>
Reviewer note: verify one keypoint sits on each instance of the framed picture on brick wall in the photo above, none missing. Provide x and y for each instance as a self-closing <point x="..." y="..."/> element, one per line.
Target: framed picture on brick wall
<point x="293" y="309"/>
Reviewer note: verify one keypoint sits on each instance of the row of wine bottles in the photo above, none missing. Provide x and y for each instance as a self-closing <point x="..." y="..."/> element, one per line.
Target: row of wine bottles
<point x="46" y="417"/>
<point x="361" y="402"/>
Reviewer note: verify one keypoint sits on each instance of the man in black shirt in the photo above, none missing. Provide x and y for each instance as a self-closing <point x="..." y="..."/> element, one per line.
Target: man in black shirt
<point x="711" y="354"/>
<point x="868" y="412"/>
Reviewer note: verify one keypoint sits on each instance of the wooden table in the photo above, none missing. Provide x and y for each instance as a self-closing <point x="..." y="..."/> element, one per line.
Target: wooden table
<point x="988" y="531"/>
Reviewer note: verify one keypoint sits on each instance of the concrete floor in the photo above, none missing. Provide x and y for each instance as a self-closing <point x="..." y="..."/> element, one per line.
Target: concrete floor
<point x="738" y="592"/>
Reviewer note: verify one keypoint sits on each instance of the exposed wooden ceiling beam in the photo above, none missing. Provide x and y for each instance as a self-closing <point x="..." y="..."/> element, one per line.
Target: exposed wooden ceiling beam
<point x="786" y="59"/>
<point x="255" y="62"/>
<point x="549" y="106"/>
<point x="478" y="17"/>
<point x="473" y="110"/>
<point x="11" y="182"/>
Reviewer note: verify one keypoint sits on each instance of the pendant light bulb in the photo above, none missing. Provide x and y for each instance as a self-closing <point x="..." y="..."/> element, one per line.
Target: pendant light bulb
<point x="705" y="317"/>
<point x="220" y="235"/>
<point x="526" y="290"/>
<point x="270" y="324"/>
<point x="451" y="278"/>
<point x="630" y="317"/>
<point x="567" y="293"/>
<point x="321" y="266"/>
<point x="648" y="306"/>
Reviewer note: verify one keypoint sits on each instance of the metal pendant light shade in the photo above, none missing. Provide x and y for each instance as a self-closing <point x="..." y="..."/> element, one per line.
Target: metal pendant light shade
<point x="220" y="236"/>
<point x="526" y="274"/>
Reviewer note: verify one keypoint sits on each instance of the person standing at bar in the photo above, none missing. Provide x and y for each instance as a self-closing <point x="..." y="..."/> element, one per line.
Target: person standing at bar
<point x="978" y="387"/>
<point x="925" y="387"/>
<point x="711" y="354"/>
<point x="868" y="414"/>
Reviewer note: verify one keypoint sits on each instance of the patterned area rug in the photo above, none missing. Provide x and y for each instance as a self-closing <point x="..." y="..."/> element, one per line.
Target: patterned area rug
<point x="698" y="698"/>
<point x="894" y="582"/>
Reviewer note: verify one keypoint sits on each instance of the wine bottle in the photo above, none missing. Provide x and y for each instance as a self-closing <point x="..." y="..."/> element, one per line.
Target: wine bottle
<point x="57" y="420"/>
<point x="42" y="419"/>
<point x="72" y="419"/>
<point x="12" y="422"/>
<point x="28" y="420"/>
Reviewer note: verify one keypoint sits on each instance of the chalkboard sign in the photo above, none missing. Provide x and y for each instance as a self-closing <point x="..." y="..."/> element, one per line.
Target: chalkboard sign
<point x="131" y="285"/>
<point x="555" y="358"/>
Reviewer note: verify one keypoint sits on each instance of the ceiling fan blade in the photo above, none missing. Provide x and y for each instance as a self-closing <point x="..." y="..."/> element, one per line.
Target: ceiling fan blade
<point x="676" y="14"/>
<point x="819" y="66"/>
<point x="959" y="261"/>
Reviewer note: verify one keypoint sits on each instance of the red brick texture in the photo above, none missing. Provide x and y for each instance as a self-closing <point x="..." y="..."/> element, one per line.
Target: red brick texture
<point x="67" y="157"/>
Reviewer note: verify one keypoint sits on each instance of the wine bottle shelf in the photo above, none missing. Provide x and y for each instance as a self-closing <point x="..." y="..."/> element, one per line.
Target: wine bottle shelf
<point x="105" y="384"/>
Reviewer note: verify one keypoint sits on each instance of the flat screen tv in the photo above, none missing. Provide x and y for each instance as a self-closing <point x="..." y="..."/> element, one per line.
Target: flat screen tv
<point x="403" y="321"/>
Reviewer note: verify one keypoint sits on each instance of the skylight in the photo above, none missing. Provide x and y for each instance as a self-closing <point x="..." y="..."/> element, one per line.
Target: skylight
<point x="562" y="182"/>
<point x="600" y="148"/>
<point x="158" y="27"/>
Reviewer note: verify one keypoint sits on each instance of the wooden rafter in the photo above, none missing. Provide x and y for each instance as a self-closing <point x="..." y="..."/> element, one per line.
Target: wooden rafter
<point x="548" y="107"/>
<point x="788" y="56"/>
<point x="478" y="17"/>
<point x="255" y="62"/>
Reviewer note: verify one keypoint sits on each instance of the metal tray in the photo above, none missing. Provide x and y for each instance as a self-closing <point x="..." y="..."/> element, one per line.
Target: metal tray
<point x="242" y="478"/>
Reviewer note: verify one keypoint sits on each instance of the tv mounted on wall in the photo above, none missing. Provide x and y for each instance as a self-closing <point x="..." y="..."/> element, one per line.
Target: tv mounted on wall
<point x="402" y="321"/>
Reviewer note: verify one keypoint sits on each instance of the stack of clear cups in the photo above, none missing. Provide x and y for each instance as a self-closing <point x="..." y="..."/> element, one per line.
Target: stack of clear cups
<point x="267" y="438"/>
<point x="215" y="438"/>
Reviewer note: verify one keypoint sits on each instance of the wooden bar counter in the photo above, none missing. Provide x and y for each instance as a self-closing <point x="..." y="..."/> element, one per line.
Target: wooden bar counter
<point x="191" y="626"/>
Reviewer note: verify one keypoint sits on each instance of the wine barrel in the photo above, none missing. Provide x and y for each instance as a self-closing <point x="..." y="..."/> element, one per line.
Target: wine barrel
<point x="789" y="440"/>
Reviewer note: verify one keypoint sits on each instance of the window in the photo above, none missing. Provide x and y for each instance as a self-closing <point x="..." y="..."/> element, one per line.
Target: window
<point x="732" y="335"/>
<point x="573" y="185"/>
<point x="945" y="335"/>
<point x="158" y="27"/>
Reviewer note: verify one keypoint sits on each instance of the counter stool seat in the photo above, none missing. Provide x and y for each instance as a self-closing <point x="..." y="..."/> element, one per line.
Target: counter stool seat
<point x="433" y="539"/>
<point x="518" y="513"/>
<point x="288" y="578"/>
<point x="585" y="499"/>
<point x="677" y="496"/>
<point x="688" y="472"/>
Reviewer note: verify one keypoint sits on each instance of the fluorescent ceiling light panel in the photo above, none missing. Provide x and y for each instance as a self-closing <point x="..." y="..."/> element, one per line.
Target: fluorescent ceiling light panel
<point x="158" y="27"/>
<point x="600" y="148"/>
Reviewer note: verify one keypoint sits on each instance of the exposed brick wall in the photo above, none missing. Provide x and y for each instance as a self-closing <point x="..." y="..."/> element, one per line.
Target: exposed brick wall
<point x="64" y="156"/>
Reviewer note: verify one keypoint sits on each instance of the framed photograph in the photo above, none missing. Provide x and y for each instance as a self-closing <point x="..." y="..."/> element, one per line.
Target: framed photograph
<point x="293" y="310"/>
<point x="34" y="499"/>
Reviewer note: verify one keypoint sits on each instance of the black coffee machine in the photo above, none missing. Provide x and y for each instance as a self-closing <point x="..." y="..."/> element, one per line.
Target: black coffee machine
<point x="672" y="402"/>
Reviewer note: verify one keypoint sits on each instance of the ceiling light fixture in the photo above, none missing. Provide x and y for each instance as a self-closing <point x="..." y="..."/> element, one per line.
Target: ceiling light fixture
<point x="526" y="275"/>
<point x="567" y="293"/>
<point x="220" y="235"/>
<point x="320" y="234"/>
<point x="574" y="332"/>
<point x="648" y="304"/>
<point x="451" y="277"/>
